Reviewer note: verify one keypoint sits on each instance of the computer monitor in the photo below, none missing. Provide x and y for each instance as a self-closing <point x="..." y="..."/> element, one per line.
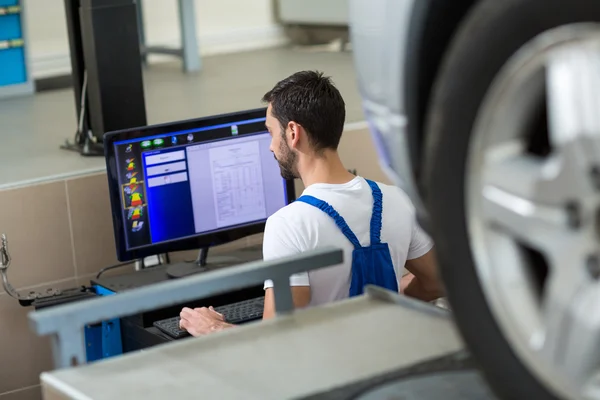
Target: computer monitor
<point x="192" y="184"/>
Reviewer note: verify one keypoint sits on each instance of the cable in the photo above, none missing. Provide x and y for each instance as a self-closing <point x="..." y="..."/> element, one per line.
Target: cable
<point x="103" y="270"/>
<point x="202" y="256"/>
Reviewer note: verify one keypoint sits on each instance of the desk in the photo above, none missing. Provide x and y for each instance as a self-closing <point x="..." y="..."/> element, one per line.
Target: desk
<point x="307" y="353"/>
<point x="137" y="332"/>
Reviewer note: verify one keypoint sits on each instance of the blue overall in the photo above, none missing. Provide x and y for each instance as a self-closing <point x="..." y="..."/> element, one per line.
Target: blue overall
<point x="371" y="265"/>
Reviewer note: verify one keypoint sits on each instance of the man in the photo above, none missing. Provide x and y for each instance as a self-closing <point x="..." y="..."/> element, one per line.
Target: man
<point x="305" y="118"/>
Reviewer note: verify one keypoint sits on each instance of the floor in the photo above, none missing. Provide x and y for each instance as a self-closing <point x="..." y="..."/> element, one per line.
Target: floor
<point x="32" y="128"/>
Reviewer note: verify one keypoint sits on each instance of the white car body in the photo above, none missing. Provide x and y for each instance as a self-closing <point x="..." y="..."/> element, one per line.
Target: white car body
<point x="380" y="71"/>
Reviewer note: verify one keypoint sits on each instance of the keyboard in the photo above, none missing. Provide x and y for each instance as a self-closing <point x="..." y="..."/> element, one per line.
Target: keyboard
<point x="235" y="313"/>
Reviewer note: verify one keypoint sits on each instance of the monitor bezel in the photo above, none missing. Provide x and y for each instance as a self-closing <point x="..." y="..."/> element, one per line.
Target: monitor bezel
<point x="190" y="243"/>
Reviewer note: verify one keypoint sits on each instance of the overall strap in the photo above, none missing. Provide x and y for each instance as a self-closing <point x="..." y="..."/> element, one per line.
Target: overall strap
<point x="377" y="211"/>
<point x="329" y="210"/>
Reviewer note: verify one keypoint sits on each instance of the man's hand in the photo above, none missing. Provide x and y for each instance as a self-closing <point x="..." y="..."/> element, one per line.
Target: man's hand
<point x="202" y="321"/>
<point x="405" y="281"/>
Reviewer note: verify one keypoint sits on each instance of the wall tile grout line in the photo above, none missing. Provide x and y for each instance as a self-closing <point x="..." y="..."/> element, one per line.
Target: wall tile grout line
<point x="348" y="127"/>
<point x="53" y="178"/>
<point x="70" y="220"/>
<point x="19" y="390"/>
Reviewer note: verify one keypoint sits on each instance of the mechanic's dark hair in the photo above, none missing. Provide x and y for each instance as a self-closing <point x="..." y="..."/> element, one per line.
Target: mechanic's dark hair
<point x="311" y="100"/>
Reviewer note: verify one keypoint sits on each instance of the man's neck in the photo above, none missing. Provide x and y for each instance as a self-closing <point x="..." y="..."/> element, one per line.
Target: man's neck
<point x="327" y="168"/>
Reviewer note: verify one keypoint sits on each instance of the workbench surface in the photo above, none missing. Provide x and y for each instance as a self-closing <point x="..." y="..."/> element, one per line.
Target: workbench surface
<point x="291" y="356"/>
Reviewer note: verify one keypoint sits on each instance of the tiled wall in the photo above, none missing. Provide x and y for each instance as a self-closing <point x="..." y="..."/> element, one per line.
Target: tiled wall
<point x="60" y="235"/>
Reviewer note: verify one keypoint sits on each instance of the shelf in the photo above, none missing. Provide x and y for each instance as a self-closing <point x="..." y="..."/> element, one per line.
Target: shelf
<point x="11" y="44"/>
<point x="15" y="79"/>
<point x="10" y="10"/>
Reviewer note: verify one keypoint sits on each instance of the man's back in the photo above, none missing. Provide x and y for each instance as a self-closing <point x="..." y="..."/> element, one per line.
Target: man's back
<point x="300" y="227"/>
<point x="305" y="118"/>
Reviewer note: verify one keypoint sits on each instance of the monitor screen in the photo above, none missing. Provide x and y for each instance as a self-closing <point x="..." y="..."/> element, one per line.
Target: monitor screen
<point x="182" y="186"/>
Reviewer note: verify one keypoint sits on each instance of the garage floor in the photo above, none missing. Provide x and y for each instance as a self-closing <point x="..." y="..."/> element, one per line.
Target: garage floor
<point x="32" y="128"/>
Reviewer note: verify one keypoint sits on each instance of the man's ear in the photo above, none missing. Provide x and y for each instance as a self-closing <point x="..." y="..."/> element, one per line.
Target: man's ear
<point x="295" y="132"/>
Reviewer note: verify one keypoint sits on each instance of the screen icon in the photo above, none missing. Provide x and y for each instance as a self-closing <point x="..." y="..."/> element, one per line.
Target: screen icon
<point x="136" y="199"/>
<point x="130" y="189"/>
<point x="133" y="195"/>
<point x="137" y="226"/>
<point x="234" y="130"/>
<point x="130" y="164"/>
<point x="135" y="213"/>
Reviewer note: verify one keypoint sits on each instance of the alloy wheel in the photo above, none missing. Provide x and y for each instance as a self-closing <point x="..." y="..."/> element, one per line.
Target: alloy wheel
<point x="533" y="206"/>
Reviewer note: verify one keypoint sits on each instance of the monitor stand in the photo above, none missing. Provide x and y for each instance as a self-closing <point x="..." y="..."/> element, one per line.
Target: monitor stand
<point x="181" y="270"/>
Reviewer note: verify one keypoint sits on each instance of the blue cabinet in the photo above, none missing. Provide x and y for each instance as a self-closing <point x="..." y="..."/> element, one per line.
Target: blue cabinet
<point x="103" y="340"/>
<point x="14" y="69"/>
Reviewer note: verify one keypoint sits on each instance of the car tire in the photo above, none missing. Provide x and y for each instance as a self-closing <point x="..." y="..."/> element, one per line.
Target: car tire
<point x="489" y="36"/>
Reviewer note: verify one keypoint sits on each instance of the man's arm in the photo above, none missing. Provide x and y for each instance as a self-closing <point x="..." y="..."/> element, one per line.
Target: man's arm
<point x="300" y="296"/>
<point x="281" y="240"/>
<point x="426" y="284"/>
<point x="422" y="264"/>
<point x="202" y="321"/>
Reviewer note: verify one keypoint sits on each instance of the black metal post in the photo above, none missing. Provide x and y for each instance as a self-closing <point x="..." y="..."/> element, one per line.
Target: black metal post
<point x="104" y="44"/>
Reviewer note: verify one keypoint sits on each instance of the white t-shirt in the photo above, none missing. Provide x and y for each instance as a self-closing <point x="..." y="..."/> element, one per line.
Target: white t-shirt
<point x="299" y="227"/>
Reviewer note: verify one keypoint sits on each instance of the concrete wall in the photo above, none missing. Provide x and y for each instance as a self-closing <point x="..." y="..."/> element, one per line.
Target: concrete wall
<point x="60" y="235"/>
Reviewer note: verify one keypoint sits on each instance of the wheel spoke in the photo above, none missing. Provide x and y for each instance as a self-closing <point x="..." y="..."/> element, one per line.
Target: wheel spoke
<point x="518" y="199"/>
<point x="573" y="85"/>
<point x="571" y="337"/>
<point x="523" y="176"/>
<point x="592" y="389"/>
